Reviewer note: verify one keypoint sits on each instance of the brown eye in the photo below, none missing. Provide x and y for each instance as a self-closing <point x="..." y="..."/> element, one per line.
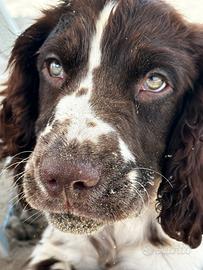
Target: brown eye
<point x="55" y="68"/>
<point x="154" y="83"/>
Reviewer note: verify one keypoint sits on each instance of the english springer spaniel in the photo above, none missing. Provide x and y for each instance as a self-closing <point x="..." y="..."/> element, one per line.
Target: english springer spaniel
<point x="104" y="107"/>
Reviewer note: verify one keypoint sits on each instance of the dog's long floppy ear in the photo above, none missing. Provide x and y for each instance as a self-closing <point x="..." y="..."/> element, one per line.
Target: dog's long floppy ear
<point x="181" y="204"/>
<point x="18" y="110"/>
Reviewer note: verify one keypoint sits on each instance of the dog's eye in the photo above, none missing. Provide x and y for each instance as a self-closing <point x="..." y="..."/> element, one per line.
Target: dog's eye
<point x="154" y="83"/>
<point x="55" y="68"/>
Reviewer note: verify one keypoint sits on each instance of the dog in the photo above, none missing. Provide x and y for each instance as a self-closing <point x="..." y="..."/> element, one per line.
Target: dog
<point x="103" y="112"/>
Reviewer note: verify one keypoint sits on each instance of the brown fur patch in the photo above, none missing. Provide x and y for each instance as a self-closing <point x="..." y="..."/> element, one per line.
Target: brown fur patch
<point x="138" y="41"/>
<point x="106" y="248"/>
<point x="155" y="238"/>
<point x="91" y="124"/>
<point x="82" y="92"/>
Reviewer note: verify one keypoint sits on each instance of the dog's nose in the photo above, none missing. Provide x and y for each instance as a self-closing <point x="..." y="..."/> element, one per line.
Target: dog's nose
<point x="58" y="175"/>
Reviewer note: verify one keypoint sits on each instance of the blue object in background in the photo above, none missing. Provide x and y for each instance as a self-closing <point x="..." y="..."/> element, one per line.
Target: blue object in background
<point x="4" y="244"/>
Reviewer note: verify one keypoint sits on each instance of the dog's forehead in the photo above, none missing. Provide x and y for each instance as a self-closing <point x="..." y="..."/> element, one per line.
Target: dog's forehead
<point x="84" y="121"/>
<point x="114" y="32"/>
<point x="128" y="17"/>
<point x="94" y="60"/>
<point x="108" y="47"/>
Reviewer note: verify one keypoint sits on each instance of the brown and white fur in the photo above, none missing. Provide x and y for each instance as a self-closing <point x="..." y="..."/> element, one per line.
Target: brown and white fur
<point x="116" y="169"/>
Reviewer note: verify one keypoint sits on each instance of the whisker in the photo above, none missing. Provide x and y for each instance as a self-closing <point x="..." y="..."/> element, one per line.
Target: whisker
<point x="15" y="165"/>
<point x="19" y="198"/>
<point x="18" y="195"/>
<point x="32" y="216"/>
<point x="140" y="195"/>
<point x="25" y="208"/>
<point x="40" y="215"/>
<point x="23" y="152"/>
<point x="14" y="185"/>
<point x="145" y="190"/>
<point x="151" y="170"/>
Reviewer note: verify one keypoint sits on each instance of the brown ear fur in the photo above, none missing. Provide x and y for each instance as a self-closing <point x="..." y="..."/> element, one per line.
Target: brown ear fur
<point x="181" y="205"/>
<point x="20" y="103"/>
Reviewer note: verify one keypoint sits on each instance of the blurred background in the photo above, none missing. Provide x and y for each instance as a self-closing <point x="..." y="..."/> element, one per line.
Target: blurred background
<point x="16" y="16"/>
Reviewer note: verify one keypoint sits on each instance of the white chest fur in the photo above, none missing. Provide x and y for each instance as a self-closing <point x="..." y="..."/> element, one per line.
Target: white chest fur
<point x="125" y="245"/>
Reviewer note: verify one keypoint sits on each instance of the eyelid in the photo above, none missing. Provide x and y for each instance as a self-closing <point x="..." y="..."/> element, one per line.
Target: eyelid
<point x="161" y="73"/>
<point x="52" y="56"/>
<point x="47" y="63"/>
<point x="148" y="96"/>
<point x="44" y="63"/>
<point x="42" y="59"/>
<point x="161" y="88"/>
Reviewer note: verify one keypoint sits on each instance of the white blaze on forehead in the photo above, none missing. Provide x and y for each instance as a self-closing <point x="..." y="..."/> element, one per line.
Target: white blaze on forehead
<point x="95" y="47"/>
<point x="77" y="109"/>
<point x="125" y="152"/>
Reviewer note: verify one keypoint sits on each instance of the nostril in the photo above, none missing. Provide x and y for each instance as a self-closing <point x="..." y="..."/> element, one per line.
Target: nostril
<point x="52" y="184"/>
<point x="79" y="185"/>
<point x="84" y="184"/>
<point x="76" y="176"/>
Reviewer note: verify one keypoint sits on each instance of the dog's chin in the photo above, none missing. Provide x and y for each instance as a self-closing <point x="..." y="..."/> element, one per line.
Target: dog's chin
<point x="70" y="223"/>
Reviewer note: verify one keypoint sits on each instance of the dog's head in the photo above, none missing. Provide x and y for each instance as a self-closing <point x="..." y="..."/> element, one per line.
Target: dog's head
<point x="108" y="96"/>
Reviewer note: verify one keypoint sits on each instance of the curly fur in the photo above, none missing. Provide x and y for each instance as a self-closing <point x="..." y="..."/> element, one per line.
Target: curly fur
<point x="181" y="205"/>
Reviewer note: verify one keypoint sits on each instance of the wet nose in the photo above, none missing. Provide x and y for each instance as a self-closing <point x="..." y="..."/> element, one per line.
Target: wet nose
<point x="76" y="176"/>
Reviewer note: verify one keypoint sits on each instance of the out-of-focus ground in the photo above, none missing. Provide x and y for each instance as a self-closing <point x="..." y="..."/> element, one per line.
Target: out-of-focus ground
<point x="24" y="12"/>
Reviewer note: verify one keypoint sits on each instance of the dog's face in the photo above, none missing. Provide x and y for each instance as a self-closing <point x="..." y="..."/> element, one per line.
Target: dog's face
<point x="109" y="89"/>
<point x="112" y="78"/>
